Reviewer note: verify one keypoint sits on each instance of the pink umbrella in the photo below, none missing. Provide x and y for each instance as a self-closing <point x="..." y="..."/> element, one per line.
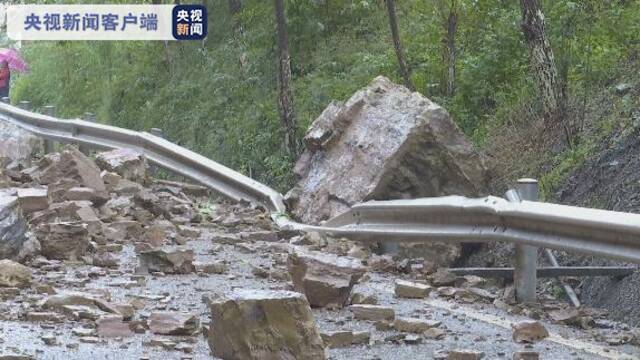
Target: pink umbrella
<point x="13" y="58"/>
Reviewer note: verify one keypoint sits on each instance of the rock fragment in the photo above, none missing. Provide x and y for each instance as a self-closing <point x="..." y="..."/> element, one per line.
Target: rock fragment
<point x="325" y="279"/>
<point x="168" y="262"/>
<point x="260" y="324"/>
<point x="128" y="163"/>
<point x="372" y="312"/>
<point x="345" y="338"/>
<point x="173" y="323"/>
<point x="413" y="325"/>
<point x="13" y="274"/>
<point x="63" y="241"/>
<point x="32" y="199"/>
<point x="411" y="290"/>
<point x="529" y="332"/>
<point x="465" y="355"/>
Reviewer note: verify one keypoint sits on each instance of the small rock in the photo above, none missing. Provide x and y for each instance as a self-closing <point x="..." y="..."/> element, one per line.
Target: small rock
<point x="113" y="326"/>
<point x="372" y="312"/>
<point x="168" y="262"/>
<point x="529" y="332"/>
<point x="465" y="355"/>
<point x="360" y="298"/>
<point x="413" y="325"/>
<point x="13" y="274"/>
<point x="338" y="339"/>
<point x="525" y="355"/>
<point x="443" y="277"/>
<point x="173" y="323"/>
<point x="411" y="290"/>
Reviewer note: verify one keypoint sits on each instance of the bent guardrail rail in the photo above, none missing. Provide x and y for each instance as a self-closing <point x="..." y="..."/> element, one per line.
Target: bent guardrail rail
<point x="159" y="151"/>
<point x="453" y="218"/>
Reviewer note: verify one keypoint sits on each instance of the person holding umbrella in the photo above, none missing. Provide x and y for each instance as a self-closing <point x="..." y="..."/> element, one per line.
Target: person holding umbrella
<point x="10" y="60"/>
<point x="5" y="78"/>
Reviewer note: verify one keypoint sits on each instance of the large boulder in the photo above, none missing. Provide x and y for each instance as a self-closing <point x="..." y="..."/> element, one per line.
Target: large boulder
<point x="386" y="142"/>
<point x="128" y="163"/>
<point x="17" y="144"/>
<point x="265" y="325"/>
<point x="13" y="226"/>
<point x="325" y="279"/>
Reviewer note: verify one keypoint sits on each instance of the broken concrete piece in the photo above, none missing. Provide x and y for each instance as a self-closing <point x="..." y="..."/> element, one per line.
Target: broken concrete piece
<point x="411" y="290"/>
<point x="372" y="312"/>
<point x="529" y="332"/>
<point x="173" y="323"/>
<point x="325" y="279"/>
<point x="259" y="324"/>
<point x="128" y="163"/>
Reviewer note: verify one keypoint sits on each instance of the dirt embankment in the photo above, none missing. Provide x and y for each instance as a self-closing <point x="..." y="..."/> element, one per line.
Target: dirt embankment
<point x="609" y="180"/>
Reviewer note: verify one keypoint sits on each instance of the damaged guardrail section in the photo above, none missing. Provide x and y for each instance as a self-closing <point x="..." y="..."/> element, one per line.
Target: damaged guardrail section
<point x="454" y="218"/>
<point x="159" y="151"/>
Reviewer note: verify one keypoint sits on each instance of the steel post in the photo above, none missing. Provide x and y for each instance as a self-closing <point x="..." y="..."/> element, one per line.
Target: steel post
<point x="5" y="99"/>
<point x="49" y="110"/>
<point x="153" y="170"/>
<point x="25" y="105"/>
<point x="90" y="117"/>
<point x="525" y="275"/>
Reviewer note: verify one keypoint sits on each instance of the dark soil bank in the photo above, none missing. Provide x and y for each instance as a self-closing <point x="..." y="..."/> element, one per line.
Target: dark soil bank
<point x="609" y="180"/>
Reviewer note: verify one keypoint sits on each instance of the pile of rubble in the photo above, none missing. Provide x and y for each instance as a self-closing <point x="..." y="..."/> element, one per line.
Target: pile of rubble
<point x="96" y="253"/>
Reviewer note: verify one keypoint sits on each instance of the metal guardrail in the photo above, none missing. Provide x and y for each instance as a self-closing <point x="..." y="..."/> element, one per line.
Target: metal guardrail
<point x="453" y="218"/>
<point x="159" y="151"/>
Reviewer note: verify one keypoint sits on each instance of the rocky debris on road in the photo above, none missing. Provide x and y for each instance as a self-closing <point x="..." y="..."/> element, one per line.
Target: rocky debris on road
<point x="259" y="324"/>
<point x="529" y="332"/>
<point x="325" y="279"/>
<point x="129" y="164"/>
<point x="63" y="241"/>
<point x="526" y="355"/>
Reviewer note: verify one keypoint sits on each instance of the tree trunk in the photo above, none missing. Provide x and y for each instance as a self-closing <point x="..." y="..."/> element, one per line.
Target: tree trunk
<point x="395" y="34"/>
<point x="287" y="113"/>
<point x="235" y="6"/>
<point x="450" y="54"/>
<point x="542" y="61"/>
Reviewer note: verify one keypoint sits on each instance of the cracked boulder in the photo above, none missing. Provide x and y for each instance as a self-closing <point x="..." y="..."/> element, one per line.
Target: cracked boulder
<point x="63" y="241"/>
<point x="325" y="279"/>
<point x="385" y="142"/>
<point x="263" y="324"/>
<point x="17" y="144"/>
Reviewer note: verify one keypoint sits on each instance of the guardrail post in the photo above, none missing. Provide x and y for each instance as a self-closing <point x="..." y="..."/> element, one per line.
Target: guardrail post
<point x="153" y="170"/>
<point x="25" y="105"/>
<point x="525" y="272"/>
<point x="49" y="110"/>
<point x="5" y="99"/>
<point x="90" y="117"/>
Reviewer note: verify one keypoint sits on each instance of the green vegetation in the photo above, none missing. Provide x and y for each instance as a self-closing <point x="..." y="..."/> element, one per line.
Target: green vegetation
<point x="219" y="97"/>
